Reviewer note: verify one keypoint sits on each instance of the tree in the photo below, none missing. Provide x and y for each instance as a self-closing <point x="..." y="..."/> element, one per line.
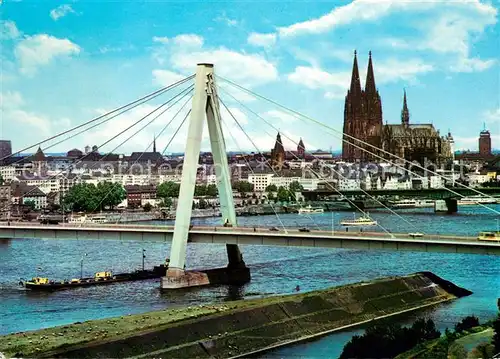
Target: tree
<point x="212" y="190"/>
<point x="467" y="323"/>
<point x="31" y="204"/>
<point x="82" y="198"/>
<point x="200" y="190"/>
<point x="295" y="186"/>
<point x="202" y="204"/>
<point x="271" y="188"/>
<point x="243" y="187"/>
<point x="283" y="194"/>
<point x="147" y="207"/>
<point x="496" y="336"/>
<point x="109" y="194"/>
<point x="167" y="202"/>
<point x="168" y="189"/>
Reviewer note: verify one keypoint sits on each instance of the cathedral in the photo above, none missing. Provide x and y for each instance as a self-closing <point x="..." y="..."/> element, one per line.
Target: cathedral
<point x="363" y="120"/>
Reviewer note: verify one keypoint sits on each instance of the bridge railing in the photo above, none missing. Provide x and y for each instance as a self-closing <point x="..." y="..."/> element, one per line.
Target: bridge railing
<point x="246" y="229"/>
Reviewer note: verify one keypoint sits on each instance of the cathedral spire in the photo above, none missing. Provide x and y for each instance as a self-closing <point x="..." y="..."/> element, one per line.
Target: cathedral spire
<point x="370" y="87"/>
<point x="355" y="82"/>
<point x="405" y="113"/>
<point x="154" y="143"/>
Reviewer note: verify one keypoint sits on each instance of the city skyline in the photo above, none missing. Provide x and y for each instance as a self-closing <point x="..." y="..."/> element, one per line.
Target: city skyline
<point x="63" y="65"/>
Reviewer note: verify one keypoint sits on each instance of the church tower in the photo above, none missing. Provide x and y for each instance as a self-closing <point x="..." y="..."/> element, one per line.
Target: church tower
<point x="301" y="149"/>
<point x="362" y="115"/>
<point x="405" y="113"/>
<point x="278" y="153"/>
<point x="373" y="112"/>
<point x="353" y="115"/>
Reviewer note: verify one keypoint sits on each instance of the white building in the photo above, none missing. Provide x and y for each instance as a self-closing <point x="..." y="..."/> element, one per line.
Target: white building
<point x="8" y="173"/>
<point x="260" y="181"/>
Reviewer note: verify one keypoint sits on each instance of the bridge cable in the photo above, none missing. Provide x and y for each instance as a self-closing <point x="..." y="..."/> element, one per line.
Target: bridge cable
<point x="164" y="128"/>
<point x="91" y="127"/>
<point x="144" y="98"/>
<point x="262" y="156"/>
<point x="112" y="138"/>
<point x="351" y="202"/>
<point x="151" y="143"/>
<point x="294" y="142"/>
<point x="251" y="169"/>
<point x="300" y="116"/>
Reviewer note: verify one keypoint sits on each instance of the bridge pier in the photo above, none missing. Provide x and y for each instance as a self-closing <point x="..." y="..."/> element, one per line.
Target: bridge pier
<point x="205" y="105"/>
<point x="448" y="205"/>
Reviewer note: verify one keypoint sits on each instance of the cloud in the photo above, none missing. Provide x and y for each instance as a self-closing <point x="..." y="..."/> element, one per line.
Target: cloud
<point x="183" y="52"/>
<point x="475" y="64"/>
<point x="223" y="18"/>
<point x="61" y="11"/>
<point x="492" y="116"/>
<point x="278" y="115"/>
<point x="39" y="50"/>
<point x="165" y="77"/>
<point x="336" y="84"/>
<point x="161" y="39"/>
<point x="264" y="40"/>
<point x="188" y="40"/>
<point x="446" y="27"/>
<point x="315" y="78"/>
<point x="11" y="105"/>
<point x="392" y="70"/>
<point x="8" y="30"/>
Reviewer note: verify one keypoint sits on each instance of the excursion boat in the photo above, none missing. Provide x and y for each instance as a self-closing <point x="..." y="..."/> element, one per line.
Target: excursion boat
<point x="475" y="200"/>
<point x="412" y="203"/>
<point x="489" y="236"/>
<point x="100" y="278"/>
<point x="310" y="209"/>
<point x="85" y="219"/>
<point x="361" y="221"/>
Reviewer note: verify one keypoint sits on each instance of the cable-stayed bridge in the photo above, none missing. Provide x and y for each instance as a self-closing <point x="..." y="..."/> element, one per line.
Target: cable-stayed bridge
<point x="206" y="109"/>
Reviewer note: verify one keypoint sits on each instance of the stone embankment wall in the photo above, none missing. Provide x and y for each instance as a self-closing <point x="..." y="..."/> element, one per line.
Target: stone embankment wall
<point x="249" y="326"/>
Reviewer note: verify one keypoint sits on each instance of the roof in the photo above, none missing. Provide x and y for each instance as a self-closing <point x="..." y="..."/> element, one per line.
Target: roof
<point x="411" y="130"/>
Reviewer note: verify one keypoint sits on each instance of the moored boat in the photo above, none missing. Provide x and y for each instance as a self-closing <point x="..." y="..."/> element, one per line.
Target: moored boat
<point x="310" y="209"/>
<point x="472" y="200"/>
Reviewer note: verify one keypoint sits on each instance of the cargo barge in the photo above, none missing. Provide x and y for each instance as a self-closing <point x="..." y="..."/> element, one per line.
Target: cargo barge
<point x="100" y="278"/>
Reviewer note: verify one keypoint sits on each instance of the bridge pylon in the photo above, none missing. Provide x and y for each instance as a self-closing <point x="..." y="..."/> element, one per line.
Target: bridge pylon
<point x="205" y="105"/>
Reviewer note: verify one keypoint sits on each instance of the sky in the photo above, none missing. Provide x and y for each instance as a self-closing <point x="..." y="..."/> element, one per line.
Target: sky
<point x="64" y="63"/>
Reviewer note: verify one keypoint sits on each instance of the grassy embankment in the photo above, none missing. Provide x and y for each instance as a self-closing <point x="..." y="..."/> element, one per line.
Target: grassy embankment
<point x="454" y="347"/>
<point x="233" y="328"/>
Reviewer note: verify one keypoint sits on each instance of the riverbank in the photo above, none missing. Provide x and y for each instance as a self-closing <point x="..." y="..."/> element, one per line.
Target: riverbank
<point x="235" y="328"/>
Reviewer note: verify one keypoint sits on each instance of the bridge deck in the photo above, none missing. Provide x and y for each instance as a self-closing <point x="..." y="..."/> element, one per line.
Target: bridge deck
<point x="257" y="236"/>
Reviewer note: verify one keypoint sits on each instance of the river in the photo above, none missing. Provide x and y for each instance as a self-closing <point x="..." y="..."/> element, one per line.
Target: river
<point x="275" y="270"/>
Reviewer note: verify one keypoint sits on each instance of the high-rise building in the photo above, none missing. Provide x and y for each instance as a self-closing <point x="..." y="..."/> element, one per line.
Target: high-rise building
<point x="485" y="143"/>
<point x="5" y="148"/>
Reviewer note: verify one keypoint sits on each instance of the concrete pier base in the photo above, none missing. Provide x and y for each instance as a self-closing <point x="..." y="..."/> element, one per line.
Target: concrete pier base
<point x="177" y="279"/>
<point x="448" y="205"/>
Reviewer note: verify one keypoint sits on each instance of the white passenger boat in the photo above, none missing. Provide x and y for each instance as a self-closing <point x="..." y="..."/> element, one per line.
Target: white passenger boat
<point x="413" y="203"/>
<point x="88" y="219"/>
<point x="475" y="200"/>
<point x="359" y="222"/>
<point x="310" y="209"/>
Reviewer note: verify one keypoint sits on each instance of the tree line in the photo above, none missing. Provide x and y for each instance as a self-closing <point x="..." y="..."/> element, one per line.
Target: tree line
<point x="87" y="197"/>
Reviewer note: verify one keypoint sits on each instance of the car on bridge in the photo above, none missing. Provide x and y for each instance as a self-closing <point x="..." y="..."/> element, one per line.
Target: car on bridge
<point x="415" y="234"/>
<point x="274" y="229"/>
<point x="304" y="229"/>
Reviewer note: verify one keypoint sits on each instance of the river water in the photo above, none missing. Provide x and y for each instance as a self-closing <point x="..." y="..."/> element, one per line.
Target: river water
<point x="275" y="270"/>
